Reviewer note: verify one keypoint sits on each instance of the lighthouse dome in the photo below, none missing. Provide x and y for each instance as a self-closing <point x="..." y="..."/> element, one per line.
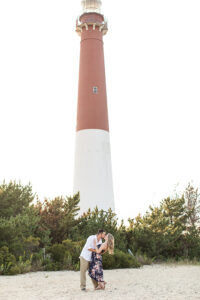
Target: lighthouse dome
<point x="91" y="5"/>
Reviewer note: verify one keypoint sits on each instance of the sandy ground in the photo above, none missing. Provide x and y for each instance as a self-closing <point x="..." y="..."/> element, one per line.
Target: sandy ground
<point x="158" y="282"/>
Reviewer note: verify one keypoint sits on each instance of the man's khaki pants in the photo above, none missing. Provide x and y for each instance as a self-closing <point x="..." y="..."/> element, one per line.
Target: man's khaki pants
<point x="84" y="265"/>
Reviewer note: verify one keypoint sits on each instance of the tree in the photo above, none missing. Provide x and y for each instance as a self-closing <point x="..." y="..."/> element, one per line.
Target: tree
<point x="91" y="221"/>
<point x="160" y="232"/>
<point x="15" y="231"/>
<point x="192" y="198"/>
<point x="14" y="198"/>
<point x="58" y="216"/>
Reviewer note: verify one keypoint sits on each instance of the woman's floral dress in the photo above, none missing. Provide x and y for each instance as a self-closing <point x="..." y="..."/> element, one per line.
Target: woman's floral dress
<point x="96" y="266"/>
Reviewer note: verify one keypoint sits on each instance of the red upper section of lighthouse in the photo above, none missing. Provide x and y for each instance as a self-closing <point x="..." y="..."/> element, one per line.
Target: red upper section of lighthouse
<point x="92" y="110"/>
<point x="92" y="18"/>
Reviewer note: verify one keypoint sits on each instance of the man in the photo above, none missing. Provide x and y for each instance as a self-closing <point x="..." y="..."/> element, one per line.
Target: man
<point x="86" y="254"/>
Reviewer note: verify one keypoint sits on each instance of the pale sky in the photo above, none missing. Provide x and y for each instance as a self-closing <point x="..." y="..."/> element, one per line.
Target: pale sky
<point x="152" y="56"/>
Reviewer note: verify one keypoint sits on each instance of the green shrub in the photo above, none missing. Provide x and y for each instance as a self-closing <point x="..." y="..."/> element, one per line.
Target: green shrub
<point x="64" y="256"/>
<point x="57" y="252"/>
<point x="37" y="261"/>
<point x="48" y="265"/>
<point x="24" y="264"/>
<point x="119" y="260"/>
<point x="108" y="261"/>
<point x="53" y="267"/>
<point x="74" y="248"/>
<point x="31" y="244"/>
<point x="143" y="259"/>
<point x="14" y="270"/>
<point x="67" y="261"/>
<point x="7" y="261"/>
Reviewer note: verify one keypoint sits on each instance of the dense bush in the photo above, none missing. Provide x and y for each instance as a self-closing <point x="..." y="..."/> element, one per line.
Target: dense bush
<point x="119" y="260"/>
<point x="65" y="256"/>
<point x="7" y="261"/>
<point x="50" y="235"/>
<point x="10" y="266"/>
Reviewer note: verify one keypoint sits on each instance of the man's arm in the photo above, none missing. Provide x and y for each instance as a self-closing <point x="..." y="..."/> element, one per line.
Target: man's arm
<point x="92" y="250"/>
<point x="91" y="245"/>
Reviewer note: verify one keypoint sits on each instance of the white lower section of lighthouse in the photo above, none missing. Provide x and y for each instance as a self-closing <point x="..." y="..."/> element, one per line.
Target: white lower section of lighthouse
<point x="93" y="172"/>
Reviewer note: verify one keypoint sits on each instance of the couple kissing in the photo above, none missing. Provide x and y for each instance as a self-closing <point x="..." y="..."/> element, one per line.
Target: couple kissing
<point x="91" y="259"/>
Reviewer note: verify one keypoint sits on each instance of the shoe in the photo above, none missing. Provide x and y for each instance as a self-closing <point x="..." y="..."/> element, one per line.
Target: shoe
<point x="83" y="289"/>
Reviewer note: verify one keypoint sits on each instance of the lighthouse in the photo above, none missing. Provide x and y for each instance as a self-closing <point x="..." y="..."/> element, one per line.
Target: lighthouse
<point x="92" y="171"/>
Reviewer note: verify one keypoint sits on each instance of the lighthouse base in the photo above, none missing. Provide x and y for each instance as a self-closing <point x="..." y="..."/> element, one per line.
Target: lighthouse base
<point x="93" y="174"/>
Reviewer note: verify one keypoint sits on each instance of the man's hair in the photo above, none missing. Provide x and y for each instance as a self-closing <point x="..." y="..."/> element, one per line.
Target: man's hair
<point x="100" y="231"/>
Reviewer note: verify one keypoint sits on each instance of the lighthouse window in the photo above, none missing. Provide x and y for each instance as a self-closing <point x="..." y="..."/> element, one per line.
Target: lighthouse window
<point x="95" y="90"/>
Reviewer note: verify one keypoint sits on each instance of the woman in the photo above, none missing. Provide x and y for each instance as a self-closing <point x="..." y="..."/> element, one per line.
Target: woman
<point x="96" y="267"/>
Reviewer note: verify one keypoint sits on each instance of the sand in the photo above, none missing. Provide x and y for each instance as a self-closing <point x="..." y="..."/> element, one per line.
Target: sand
<point x="169" y="282"/>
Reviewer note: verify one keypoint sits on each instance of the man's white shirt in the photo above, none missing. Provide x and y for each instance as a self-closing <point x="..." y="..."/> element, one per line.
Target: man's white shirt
<point x="86" y="254"/>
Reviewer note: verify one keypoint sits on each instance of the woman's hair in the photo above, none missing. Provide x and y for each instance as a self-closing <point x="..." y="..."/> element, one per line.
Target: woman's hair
<point x="110" y="243"/>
